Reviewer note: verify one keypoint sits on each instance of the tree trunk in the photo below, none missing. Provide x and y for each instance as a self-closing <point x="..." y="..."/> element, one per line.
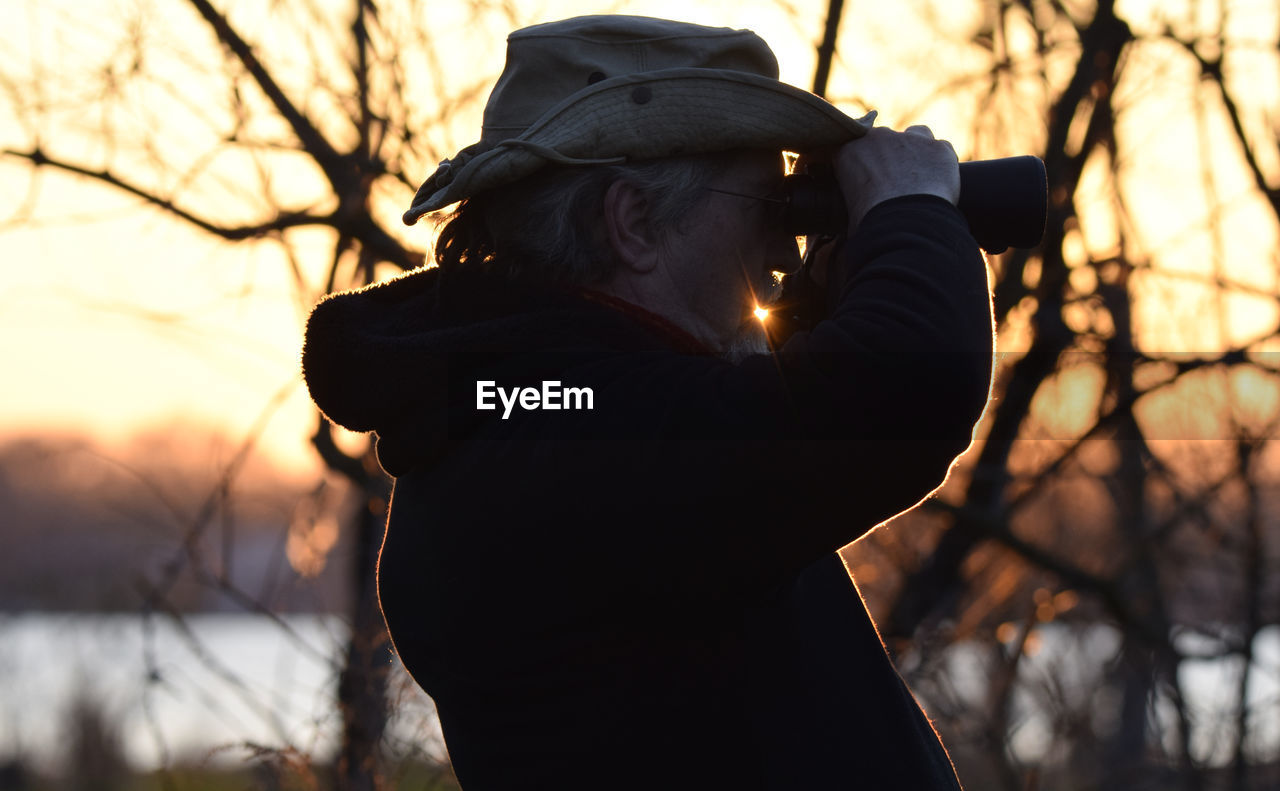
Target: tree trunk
<point x="362" y="687"/>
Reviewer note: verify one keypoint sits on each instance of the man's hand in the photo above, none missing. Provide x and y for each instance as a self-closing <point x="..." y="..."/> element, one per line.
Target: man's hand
<point x="885" y="164"/>
<point x="881" y="165"/>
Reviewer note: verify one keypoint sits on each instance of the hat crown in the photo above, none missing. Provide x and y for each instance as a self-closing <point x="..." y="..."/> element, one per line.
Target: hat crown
<point x="548" y="63"/>
<point x="606" y="90"/>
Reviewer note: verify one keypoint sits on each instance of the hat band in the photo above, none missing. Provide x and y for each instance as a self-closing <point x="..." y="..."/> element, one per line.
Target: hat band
<point x="449" y="168"/>
<point x="552" y="155"/>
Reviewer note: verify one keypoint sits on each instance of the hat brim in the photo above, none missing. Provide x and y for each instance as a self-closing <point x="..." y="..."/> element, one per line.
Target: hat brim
<point x="672" y="112"/>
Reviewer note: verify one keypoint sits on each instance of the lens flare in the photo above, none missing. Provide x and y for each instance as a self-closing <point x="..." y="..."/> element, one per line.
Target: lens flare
<point x="761" y="313"/>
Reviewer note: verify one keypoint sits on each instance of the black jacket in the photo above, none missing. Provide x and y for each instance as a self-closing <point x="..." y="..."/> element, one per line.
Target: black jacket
<point x="646" y="594"/>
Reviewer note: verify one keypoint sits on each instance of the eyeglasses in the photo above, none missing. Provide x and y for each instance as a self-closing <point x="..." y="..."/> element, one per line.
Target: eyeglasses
<point x="774" y="198"/>
<point x="778" y="203"/>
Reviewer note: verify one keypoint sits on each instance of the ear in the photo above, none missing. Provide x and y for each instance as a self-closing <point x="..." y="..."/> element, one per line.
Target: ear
<point x="631" y="234"/>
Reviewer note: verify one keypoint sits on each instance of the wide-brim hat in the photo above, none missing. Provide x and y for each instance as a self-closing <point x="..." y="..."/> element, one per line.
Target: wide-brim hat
<point x="598" y="90"/>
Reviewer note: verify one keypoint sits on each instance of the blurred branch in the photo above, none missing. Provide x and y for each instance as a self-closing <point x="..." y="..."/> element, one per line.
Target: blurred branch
<point x="1072" y="576"/>
<point x="827" y="49"/>
<point x="190" y="551"/>
<point x="310" y="138"/>
<point x="1253" y="556"/>
<point x="1211" y="70"/>
<point x="158" y="602"/>
<point x="1001" y="701"/>
<point x="360" y="34"/>
<point x="283" y="220"/>
<point x="359" y="223"/>
<point x="1097" y="70"/>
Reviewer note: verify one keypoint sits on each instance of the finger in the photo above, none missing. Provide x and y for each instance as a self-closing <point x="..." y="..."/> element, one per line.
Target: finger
<point x="919" y="129"/>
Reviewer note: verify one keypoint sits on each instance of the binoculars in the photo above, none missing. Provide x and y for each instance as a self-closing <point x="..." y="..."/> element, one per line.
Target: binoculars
<point x="1005" y="202"/>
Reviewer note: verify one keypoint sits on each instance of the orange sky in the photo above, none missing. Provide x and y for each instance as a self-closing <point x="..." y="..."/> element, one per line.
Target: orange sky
<point x="113" y="319"/>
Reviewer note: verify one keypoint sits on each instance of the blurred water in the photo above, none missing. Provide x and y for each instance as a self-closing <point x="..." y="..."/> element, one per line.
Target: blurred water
<point x="197" y="690"/>
<point x="1067" y="669"/>
<point x="202" y="689"/>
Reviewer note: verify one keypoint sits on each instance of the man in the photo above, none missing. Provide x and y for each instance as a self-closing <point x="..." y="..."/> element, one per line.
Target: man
<point x="610" y="556"/>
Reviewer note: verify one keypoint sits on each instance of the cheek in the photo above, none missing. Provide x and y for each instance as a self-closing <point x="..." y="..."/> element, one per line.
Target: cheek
<point x="789" y="259"/>
<point x="737" y="257"/>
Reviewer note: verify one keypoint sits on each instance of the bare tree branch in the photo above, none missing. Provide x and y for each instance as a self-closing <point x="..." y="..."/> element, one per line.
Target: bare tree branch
<point x="827" y="49"/>
<point x="312" y="141"/>
<point x="1211" y="70"/>
<point x="282" y="221"/>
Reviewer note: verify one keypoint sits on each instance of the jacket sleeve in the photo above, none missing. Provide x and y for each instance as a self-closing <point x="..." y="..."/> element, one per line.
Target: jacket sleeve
<point x="906" y="352"/>
<point x="849" y="424"/>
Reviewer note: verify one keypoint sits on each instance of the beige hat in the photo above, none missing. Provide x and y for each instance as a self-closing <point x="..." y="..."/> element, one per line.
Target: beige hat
<point x="610" y="89"/>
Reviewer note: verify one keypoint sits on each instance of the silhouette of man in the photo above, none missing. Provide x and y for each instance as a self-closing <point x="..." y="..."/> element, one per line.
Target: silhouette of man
<point x="611" y="551"/>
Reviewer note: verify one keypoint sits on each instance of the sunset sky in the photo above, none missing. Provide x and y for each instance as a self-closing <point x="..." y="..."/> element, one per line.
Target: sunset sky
<point x="124" y="326"/>
<point x="114" y="319"/>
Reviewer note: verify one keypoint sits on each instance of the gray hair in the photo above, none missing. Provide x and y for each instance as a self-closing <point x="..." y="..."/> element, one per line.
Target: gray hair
<point x="549" y="227"/>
